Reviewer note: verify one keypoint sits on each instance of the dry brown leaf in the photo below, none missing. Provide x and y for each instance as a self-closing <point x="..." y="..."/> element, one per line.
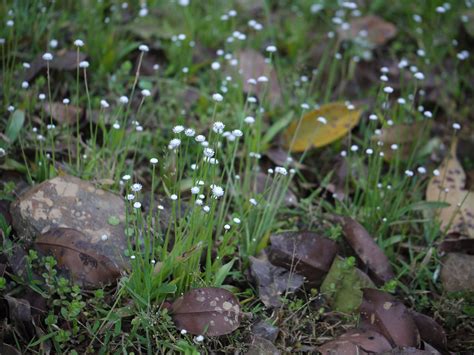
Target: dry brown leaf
<point x="449" y="187"/>
<point x="355" y="342"/>
<point x="63" y="114"/>
<point x="252" y="65"/>
<point x="63" y="60"/>
<point x="376" y="30"/>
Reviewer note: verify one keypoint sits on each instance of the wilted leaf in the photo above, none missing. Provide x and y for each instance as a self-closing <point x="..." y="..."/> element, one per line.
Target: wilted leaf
<point x="355" y="342"/>
<point x="19" y="312"/>
<point x="449" y="187"/>
<point x="306" y="253"/>
<point x="273" y="281"/>
<point x="381" y="312"/>
<point x="430" y="331"/>
<point x="343" y="286"/>
<point x="367" y="250"/>
<point x="63" y="114"/>
<point x="376" y="30"/>
<point x="405" y="136"/>
<point x="252" y="65"/>
<point x="208" y="311"/>
<point x="63" y="60"/>
<point x="457" y="272"/>
<point x="78" y="256"/>
<point x="321" y="127"/>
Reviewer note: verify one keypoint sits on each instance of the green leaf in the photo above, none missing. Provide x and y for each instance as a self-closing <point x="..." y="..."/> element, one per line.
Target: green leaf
<point x="276" y="128"/>
<point x="14" y="126"/>
<point x="342" y="286"/>
<point x="222" y="273"/>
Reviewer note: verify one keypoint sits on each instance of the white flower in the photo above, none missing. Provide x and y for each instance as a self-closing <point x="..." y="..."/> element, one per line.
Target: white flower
<point x="354" y="148"/>
<point x="304" y="106"/>
<point x="388" y="89"/>
<point x="47" y="57"/>
<point x="126" y="177"/>
<point x="137" y="205"/>
<point x="42" y="97"/>
<point x="133" y="256"/>
<point x="227" y="227"/>
<point x="206" y="209"/>
<point x="280" y="170"/>
<point x="253" y="201"/>
<point x="53" y="43"/>
<point x="419" y="76"/>
<point x="322" y="120"/>
<point x="195" y="190"/>
<point x="116" y="125"/>
<point x="66" y="101"/>
<point x="428" y="114"/>
<point x="199" y="338"/>
<point x="217" y="191"/>
<point x="236" y="220"/>
<point x="184" y="331"/>
<point x="11" y="108"/>
<point x="123" y="99"/>
<point x="456" y="126"/>
<point x="130" y="197"/>
<point x="218" y="127"/>
<point x="199" y="202"/>
<point x="10" y="23"/>
<point x="104" y="104"/>
<point x="215" y="66"/>
<point x="143" y="12"/>
<point x="178" y="129"/>
<point x="249" y="120"/>
<point x="84" y="64"/>
<point x="252" y="81"/>
<point x="252" y="99"/>
<point x="271" y="49"/>
<point x="200" y="138"/>
<point x="25" y="85"/>
<point x="208" y="152"/>
<point x="174" y="197"/>
<point x="237" y="133"/>
<point x="154" y="161"/>
<point x="270" y="171"/>
<point x="189" y="132"/>
<point x="401" y="101"/>
<point x="217" y="97"/>
<point x="369" y="151"/>
<point x="409" y="173"/>
<point x="421" y="170"/>
<point x="78" y="43"/>
<point x="373" y="117"/>
<point x="146" y="92"/>
<point x="104" y="237"/>
<point x="384" y="78"/>
<point x="262" y="79"/>
<point x="136" y="187"/>
<point x="143" y="48"/>
<point x="174" y="143"/>
<point x="394" y="146"/>
<point x="2" y="152"/>
<point x="436" y="172"/>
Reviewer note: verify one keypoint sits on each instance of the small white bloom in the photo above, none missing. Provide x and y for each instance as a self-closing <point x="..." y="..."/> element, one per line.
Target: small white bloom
<point x="199" y="338"/>
<point x="146" y="92"/>
<point x="262" y="79"/>
<point x="249" y="120"/>
<point x="271" y="49"/>
<point x="143" y="48"/>
<point x="195" y="190"/>
<point x="104" y="237"/>
<point x="388" y="89"/>
<point x="174" y="143"/>
<point x="322" y="120"/>
<point x="409" y="173"/>
<point x="217" y="191"/>
<point x="104" y="104"/>
<point x="354" y="148"/>
<point x="280" y="170"/>
<point x="218" y="127"/>
<point x="199" y="202"/>
<point x="130" y="197"/>
<point x="137" y="205"/>
<point x="206" y="209"/>
<point x="373" y="117"/>
<point x="394" y="146"/>
<point x="369" y="151"/>
<point x="200" y="138"/>
<point x="215" y="66"/>
<point x="237" y="133"/>
<point x="217" y="97"/>
<point x="178" y="129"/>
<point x="421" y="170"/>
<point x="253" y="201"/>
<point x="123" y="99"/>
<point x="42" y="97"/>
<point x="126" y="177"/>
<point x="53" y="43"/>
<point x="227" y="227"/>
<point x="10" y="23"/>
<point x="419" y="76"/>
<point x="456" y="126"/>
<point x="252" y="99"/>
<point x="78" y="43"/>
<point x="47" y="57"/>
<point x="184" y="331"/>
<point x="66" y="101"/>
<point x="116" y="125"/>
<point x="236" y="220"/>
<point x="11" y="108"/>
<point x="154" y="161"/>
<point x="136" y="187"/>
<point x="132" y="257"/>
<point x="304" y="106"/>
<point x="174" y="197"/>
<point x="189" y="132"/>
<point x="25" y="85"/>
<point x="84" y="64"/>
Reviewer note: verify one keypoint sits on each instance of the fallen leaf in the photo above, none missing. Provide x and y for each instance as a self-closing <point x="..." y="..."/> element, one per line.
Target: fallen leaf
<point x="63" y="114"/>
<point x="265" y="330"/>
<point x="77" y="256"/>
<point x="306" y="253"/>
<point x="409" y="351"/>
<point x="343" y="285"/>
<point x="355" y="342"/>
<point x="19" y="313"/>
<point x="374" y="29"/>
<point x="273" y="282"/>
<point x="207" y="311"/>
<point x="367" y="250"/>
<point x="321" y="127"/>
<point x="405" y="136"/>
<point x="252" y="65"/>
<point x="455" y="243"/>
<point x="430" y="331"/>
<point x="449" y="187"/>
<point x="262" y="346"/>
<point x="457" y="272"/>
<point x="62" y="61"/>
<point x="381" y="312"/>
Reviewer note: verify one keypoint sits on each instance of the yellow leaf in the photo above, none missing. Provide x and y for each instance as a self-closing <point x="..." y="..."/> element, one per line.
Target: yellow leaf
<point x="321" y="127"/>
<point x="449" y="187"/>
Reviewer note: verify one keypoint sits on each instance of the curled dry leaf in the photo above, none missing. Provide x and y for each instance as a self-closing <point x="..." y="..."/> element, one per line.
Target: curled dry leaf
<point x="63" y="114"/>
<point x="78" y="256"/>
<point x="343" y="285"/>
<point x="321" y="127"/>
<point x="355" y="342"/>
<point x="430" y="331"/>
<point x="252" y="65"/>
<point x="381" y="312"/>
<point x="367" y="250"/>
<point x="63" y="60"/>
<point x="406" y="136"/>
<point x="273" y="281"/>
<point x="376" y="30"/>
<point x="306" y="253"/>
<point x="449" y="187"/>
<point x="208" y="311"/>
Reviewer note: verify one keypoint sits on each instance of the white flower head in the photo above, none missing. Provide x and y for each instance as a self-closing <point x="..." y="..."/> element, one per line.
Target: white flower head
<point x="146" y="93"/>
<point x="136" y="187"/>
<point x="174" y="143"/>
<point x="217" y="97"/>
<point x="456" y="126"/>
<point x="47" y="56"/>
<point x="104" y="104"/>
<point x="195" y="190"/>
<point x="217" y="191"/>
<point x="388" y="89"/>
<point x="271" y="49"/>
<point x="126" y="177"/>
<point x="143" y="48"/>
<point x="154" y="161"/>
<point x="25" y="85"/>
<point x="137" y="205"/>
<point x="280" y="170"/>
<point x="218" y="127"/>
<point x="123" y="100"/>
<point x="79" y="43"/>
<point x="84" y="64"/>
<point x="249" y="120"/>
<point x="208" y="152"/>
<point x="178" y="129"/>
<point x="215" y="66"/>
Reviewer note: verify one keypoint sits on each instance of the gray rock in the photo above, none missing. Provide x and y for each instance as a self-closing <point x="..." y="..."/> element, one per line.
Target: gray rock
<point x="69" y="202"/>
